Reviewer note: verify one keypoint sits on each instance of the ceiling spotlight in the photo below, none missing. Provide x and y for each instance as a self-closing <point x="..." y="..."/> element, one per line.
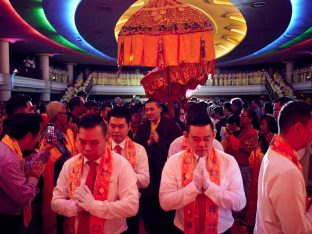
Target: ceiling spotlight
<point x="105" y="7"/>
<point x="258" y="4"/>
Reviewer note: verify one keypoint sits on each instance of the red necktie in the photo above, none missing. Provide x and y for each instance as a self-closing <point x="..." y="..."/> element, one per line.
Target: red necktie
<point x="118" y="149"/>
<point x="84" y="217"/>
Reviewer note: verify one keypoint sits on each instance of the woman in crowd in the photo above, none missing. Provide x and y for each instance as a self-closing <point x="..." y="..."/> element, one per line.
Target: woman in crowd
<point x="268" y="127"/>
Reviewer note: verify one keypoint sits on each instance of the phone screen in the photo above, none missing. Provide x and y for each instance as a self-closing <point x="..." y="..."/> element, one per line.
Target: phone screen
<point x="50" y="132"/>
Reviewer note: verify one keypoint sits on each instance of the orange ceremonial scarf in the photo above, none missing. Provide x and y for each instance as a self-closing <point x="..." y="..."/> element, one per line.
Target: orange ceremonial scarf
<point x="191" y="210"/>
<point x="279" y="145"/>
<point x="100" y="192"/>
<point x="130" y="151"/>
<point x="14" y="146"/>
<point x="154" y="125"/>
<point x="49" y="220"/>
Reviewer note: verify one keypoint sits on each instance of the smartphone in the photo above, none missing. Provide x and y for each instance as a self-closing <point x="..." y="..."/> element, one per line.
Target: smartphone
<point x="50" y="132"/>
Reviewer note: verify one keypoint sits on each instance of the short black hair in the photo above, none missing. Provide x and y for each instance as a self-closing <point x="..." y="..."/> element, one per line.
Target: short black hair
<point x="268" y="108"/>
<point x="75" y="101"/>
<point x="227" y="105"/>
<point x="219" y="110"/>
<point x="272" y="124"/>
<point x="16" y="102"/>
<point x="119" y="112"/>
<point x="89" y="104"/>
<point x="106" y="104"/>
<point x="233" y="119"/>
<point x="91" y="121"/>
<point x="282" y="100"/>
<point x="198" y="119"/>
<point x="197" y="107"/>
<point x="293" y="112"/>
<point x="255" y="120"/>
<point x="82" y="94"/>
<point x="237" y="102"/>
<point x="19" y="125"/>
<point x="155" y="100"/>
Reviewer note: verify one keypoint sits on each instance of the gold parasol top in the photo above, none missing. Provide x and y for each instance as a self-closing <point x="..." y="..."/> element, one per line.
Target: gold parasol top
<point x="166" y="17"/>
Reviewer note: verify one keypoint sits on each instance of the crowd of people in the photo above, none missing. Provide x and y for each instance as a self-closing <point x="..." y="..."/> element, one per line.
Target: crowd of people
<point x="117" y="167"/>
<point x="302" y="74"/>
<point x="79" y="85"/>
<point x="239" y="78"/>
<point x="58" y="75"/>
<point x="223" y="79"/>
<point x="123" y="79"/>
<point x="279" y="86"/>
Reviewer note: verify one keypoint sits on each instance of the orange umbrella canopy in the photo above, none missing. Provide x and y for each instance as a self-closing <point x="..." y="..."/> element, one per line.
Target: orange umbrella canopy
<point x="172" y="82"/>
<point x="176" y="38"/>
<point x="166" y="33"/>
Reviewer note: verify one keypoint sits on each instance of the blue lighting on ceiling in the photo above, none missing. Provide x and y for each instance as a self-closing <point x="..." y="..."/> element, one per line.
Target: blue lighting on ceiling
<point x="64" y="23"/>
<point x="298" y="24"/>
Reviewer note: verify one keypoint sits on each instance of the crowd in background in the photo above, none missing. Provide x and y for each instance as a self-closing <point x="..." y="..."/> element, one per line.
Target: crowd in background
<point x="244" y="128"/>
<point x="58" y="75"/>
<point x="302" y="74"/>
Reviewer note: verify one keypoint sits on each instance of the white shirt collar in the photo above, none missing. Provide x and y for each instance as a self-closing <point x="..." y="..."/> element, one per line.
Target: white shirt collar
<point x="197" y="157"/>
<point x="87" y="160"/>
<point x="122" y="144"/>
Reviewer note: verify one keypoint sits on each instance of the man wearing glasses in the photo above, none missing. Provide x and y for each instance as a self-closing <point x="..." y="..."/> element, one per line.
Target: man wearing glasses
<point x="63" y="150"/>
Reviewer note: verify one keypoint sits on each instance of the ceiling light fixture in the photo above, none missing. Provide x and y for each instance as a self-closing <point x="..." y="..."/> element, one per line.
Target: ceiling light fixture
<point x="258" y="4"/>
<point x="237" y="30"/>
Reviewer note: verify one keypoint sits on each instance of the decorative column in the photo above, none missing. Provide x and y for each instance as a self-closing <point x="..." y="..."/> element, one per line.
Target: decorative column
<point x="44" y="68"/>
<point x="70" y="71"/>
<point x="289" y="71"/>
<point x="5" y="87"/>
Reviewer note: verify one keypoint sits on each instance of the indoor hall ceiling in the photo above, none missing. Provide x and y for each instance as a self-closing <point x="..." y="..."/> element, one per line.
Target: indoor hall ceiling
<point x="83" y="31"/>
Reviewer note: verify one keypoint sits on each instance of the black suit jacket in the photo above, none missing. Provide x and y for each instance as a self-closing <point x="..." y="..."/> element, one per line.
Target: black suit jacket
<point x="168" y="130"/>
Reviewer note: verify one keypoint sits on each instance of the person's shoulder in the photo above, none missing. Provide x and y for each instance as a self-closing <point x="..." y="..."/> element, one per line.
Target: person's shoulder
<point x="119" y="160"/>
<point x="6" y="154"/>
<point x="71" y="160"/>
<point x="138" y="146"/>
<point x="176" y="157"/>
<point x="178" y="140"/>
<point x="217" y="145"/>
<point x="169" y="121"/>
<point x="225" y="158"/>
<point x="278" y="162"/>
<point x="223" y="154"/>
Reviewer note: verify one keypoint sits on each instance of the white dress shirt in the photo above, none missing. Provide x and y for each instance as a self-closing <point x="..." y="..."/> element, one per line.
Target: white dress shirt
<point x="176" y="146"/>
<point x="228" y="196"/>
<point x="141" y="169"/>
<point x="122" y="200"/>
<point x="281" y="206"/>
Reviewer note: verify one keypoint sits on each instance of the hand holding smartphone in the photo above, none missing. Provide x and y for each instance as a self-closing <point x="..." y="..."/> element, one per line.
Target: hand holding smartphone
<point x="50" y="133"/>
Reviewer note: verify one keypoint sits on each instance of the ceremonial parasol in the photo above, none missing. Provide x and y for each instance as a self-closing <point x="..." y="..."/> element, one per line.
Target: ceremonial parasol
<point x="176" y="38"/>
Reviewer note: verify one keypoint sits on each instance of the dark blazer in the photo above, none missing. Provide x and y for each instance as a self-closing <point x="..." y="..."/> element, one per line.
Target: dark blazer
<point x="168" y="130"/>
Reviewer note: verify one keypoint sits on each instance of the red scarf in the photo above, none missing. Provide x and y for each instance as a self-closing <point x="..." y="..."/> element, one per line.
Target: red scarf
<point x="280" y="146"/>
<point x="190" y="211"/>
